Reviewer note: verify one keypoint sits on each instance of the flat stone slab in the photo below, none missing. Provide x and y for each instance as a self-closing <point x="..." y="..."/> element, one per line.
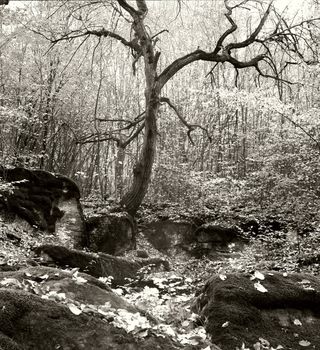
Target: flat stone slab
<point x="261" y="311"/>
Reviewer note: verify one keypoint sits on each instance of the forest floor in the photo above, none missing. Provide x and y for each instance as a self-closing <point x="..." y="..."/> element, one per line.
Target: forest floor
<point x="279" y="251"/>
<point x="167" y="295"/>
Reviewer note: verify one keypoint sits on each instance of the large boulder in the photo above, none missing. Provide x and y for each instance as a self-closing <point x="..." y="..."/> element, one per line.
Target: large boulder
<point x="49" y="202"/>
<point x="97" y="264"/>
<point x="262" y="310"/>
<point x="174" y="237"/>
<point x="29" y="322"/>
<point x="110" y="232"/>
<point x="46" y="308"/>
<point x="80" y="288"/>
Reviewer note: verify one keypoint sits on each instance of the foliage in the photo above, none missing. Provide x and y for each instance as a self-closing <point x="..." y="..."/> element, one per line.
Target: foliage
<point x="50" y="103"/>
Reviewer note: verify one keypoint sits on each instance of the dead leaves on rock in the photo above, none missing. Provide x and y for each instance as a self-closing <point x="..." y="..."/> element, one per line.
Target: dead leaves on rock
<point x="165" y="302"/>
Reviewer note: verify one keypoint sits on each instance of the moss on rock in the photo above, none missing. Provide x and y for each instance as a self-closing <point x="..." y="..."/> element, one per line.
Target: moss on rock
<point x="284" y="311"/>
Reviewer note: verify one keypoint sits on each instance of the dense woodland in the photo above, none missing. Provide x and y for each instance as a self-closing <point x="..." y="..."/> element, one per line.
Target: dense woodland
<point x="76" y="106"/>
<point x="187" y="132"/>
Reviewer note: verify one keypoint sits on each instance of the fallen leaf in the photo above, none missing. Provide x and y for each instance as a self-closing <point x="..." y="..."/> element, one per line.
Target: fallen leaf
<point x="118" y="291"/>
<point x="201" y="332"/>
<point x="74" y="309"/>
<point x="79" y="279"/>
<point x="44" y="277"/>
<point x="142" y="333"/>
<point x="259" y="275"/>
<point x="193" y="342"/>
<point x="264" y="342"/>
<point x="57" y="296"/>
<point x="297" y="322"/>
<point x="304" y="343"/>
<point x="74" y="270"/>
<point x="305" y="282"/>
<point x="10" y="281"/>
<point x="167" y="329"/>
<point x="259" y="287"/>
<point x="193" y="317"/>
<point x="307" y="287"/>
<point x="185" y="324"/>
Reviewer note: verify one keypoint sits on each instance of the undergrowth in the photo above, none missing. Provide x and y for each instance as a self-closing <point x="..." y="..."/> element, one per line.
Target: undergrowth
<point x="168" y="296"/>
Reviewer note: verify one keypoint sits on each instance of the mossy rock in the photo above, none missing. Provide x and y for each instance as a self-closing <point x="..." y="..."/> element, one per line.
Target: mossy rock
<point x="28" y="322"/>
<point x="97" y="264"/>
<point x="49" y="202"/>
<point x="111" y="233"/>
<point x="286" y="311"/>
<point x="79" y="287"/>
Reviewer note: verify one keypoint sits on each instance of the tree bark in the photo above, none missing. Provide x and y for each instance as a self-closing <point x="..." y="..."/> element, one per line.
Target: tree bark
<point x="132" y="200"/>
<point x="142" y="171"/>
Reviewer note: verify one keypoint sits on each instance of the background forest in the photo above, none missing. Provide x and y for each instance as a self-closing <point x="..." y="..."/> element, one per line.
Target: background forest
<point x="75" y="108"/>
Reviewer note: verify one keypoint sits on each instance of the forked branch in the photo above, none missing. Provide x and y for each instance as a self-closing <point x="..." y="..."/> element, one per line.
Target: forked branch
<point x="191" y="127"/>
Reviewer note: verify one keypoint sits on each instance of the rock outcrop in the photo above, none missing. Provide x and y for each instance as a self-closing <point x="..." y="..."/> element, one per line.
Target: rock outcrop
<point x="49" y="202"/>
<point x="28" y="322"/>
<point x="97" y="264"/>
<point x="45" y="308"/>
<point x="169" y="236"/>
<point x="172" y="237"/>
<point x="79" y="287"/>
<point x="111" y="233"/>
<point x="262" y="310"/>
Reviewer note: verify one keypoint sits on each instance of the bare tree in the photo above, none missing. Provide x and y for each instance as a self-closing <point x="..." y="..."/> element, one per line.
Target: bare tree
<point x="278" y="34"/>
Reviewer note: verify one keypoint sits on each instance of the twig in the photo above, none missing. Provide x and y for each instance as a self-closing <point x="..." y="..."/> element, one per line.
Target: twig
<point x="301" y="128"/>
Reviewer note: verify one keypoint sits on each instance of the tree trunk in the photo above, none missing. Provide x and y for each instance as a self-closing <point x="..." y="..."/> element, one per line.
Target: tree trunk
<point x="132" y="200"/>
<point x="142" y="171"/>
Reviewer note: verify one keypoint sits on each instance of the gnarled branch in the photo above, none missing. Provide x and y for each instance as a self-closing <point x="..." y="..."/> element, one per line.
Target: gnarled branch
<point x="99" y="33"/>
<point x="191" y="127"/>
